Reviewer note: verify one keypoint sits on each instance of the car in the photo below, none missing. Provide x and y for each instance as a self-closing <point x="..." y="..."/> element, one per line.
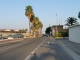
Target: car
<point x="19" y="35"/>
<point x="10" y="36"/>
<point x="44" y="34"/>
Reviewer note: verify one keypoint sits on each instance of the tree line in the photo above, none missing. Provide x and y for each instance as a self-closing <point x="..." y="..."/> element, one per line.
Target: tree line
<point x="35" y="25"/>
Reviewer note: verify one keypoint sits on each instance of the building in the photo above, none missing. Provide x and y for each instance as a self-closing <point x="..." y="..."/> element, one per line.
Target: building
<point x="74" y="33"/>
<point x="58" y="28"/>
<point x="8" y="30"/>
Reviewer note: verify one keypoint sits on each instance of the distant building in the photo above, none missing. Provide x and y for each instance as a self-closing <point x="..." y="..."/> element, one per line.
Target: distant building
<point x="16" y="30"/>
<point x="59" y="29"/>
<point x="9" y="30"/>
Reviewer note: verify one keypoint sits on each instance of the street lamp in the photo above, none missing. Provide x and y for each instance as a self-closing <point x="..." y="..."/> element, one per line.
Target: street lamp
<point x="56" y="26"/>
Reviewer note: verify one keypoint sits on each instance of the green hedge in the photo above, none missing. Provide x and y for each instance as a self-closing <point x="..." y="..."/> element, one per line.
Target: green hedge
<point x="59" y="34"/>
<point x="65" y="34"/>
<point x="62" y="34"/>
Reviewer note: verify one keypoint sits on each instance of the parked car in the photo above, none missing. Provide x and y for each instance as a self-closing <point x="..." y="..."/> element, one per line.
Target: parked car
<point x="19" y="35"/>
<point x="4" y="37"/>
<point x="45" y="35"/>
<point x="11" y="36"/>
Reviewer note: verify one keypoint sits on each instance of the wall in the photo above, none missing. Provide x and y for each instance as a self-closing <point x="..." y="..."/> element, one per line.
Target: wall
<point x="74" y="34"/>
<point x="6" y="34"/>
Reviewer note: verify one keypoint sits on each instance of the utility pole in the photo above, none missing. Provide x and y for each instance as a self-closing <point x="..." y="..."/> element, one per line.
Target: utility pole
<point x="56" y="26"/>
<point x="49" y="25"/>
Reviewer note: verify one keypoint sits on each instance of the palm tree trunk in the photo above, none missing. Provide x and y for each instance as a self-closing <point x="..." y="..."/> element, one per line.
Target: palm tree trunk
<point x="41" y="31"/>
<point x="29" y="27"/>
<point x="34" y="33"/>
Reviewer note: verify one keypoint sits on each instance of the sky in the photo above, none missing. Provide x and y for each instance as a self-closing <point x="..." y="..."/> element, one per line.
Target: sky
<point x="12" y="12"/>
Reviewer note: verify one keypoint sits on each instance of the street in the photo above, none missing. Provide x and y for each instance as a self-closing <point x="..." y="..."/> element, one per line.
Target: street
<point x="43" y="48"/>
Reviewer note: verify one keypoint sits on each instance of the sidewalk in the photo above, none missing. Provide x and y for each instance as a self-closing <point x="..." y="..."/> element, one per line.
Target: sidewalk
<point x="75" y="47"/>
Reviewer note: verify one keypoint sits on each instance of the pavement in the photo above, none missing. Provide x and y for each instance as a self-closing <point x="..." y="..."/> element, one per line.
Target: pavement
<point x="75" y="47"/>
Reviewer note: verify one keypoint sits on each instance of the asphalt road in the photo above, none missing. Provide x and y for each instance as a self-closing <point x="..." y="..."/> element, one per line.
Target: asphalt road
<point x="34" y="49"/>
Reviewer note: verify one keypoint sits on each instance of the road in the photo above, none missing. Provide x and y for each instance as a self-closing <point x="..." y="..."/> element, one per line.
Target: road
<point x="34" y="49"/>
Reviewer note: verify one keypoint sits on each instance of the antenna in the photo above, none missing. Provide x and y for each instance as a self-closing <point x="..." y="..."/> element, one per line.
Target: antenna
<point x="49" y="25"/>
<point x="61" y="21"/>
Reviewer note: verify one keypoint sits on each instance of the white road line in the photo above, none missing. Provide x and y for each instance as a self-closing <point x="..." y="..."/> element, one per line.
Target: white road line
<point x="33" y="51"/>
<point x="38" y="47"/>
<point x="61" y="43"/>
<point x="69" y="51"/>
<point x="27" y="57"/>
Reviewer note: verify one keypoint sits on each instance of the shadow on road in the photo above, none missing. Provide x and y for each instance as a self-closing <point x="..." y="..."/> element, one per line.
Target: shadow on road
<point x="55" y="52"/>
<point x="34" y="57"/>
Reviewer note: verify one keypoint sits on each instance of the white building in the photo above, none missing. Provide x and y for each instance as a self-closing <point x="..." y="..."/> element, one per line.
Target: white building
<point x="74" y="33"/>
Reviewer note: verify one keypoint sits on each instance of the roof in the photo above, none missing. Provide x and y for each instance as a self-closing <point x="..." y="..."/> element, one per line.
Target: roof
<point x="57" y="25"/>
<point x="74" y="26"/>
<point x="8" y="30"/>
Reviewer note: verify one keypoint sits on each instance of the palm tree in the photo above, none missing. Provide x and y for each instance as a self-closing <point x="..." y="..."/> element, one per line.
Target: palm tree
<point x="71" y="21"/>
<point x="79" y="15"/>
<point x="29" y="13"/>
<point x="40" y="27"/>
<point x="34" y="21"/>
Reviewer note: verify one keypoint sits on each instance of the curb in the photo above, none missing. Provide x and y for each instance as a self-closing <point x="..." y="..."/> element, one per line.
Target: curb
<point x="74" y="55"/>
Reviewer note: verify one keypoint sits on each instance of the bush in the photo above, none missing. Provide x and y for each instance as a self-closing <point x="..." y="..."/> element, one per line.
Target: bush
<point x="62" y="34"/>
<point x="59" y="34"/>
<point x="65" y="34"/>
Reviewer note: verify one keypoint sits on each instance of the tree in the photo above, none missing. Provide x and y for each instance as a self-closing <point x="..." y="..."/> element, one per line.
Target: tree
<point x="48" y="30"/>
<point x="79" y="15"/>
<point x="29" y="13"/>
<point x="40" y="27"/>
<point x="71" y="21"/>
<point x="36" y="25"/>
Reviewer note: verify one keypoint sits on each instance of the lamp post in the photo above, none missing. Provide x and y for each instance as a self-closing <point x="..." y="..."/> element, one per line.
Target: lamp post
<point x="56" y="26"/>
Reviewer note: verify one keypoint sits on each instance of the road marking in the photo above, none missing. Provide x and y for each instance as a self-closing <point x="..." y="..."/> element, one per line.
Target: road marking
<point x="33" y="51"/>
<point x="38" y="47"/>
<point x="69" y="51"/>
<point x="27" y="57"/>
<point x="51" y="42"/>
<point x="61" y="43"/>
